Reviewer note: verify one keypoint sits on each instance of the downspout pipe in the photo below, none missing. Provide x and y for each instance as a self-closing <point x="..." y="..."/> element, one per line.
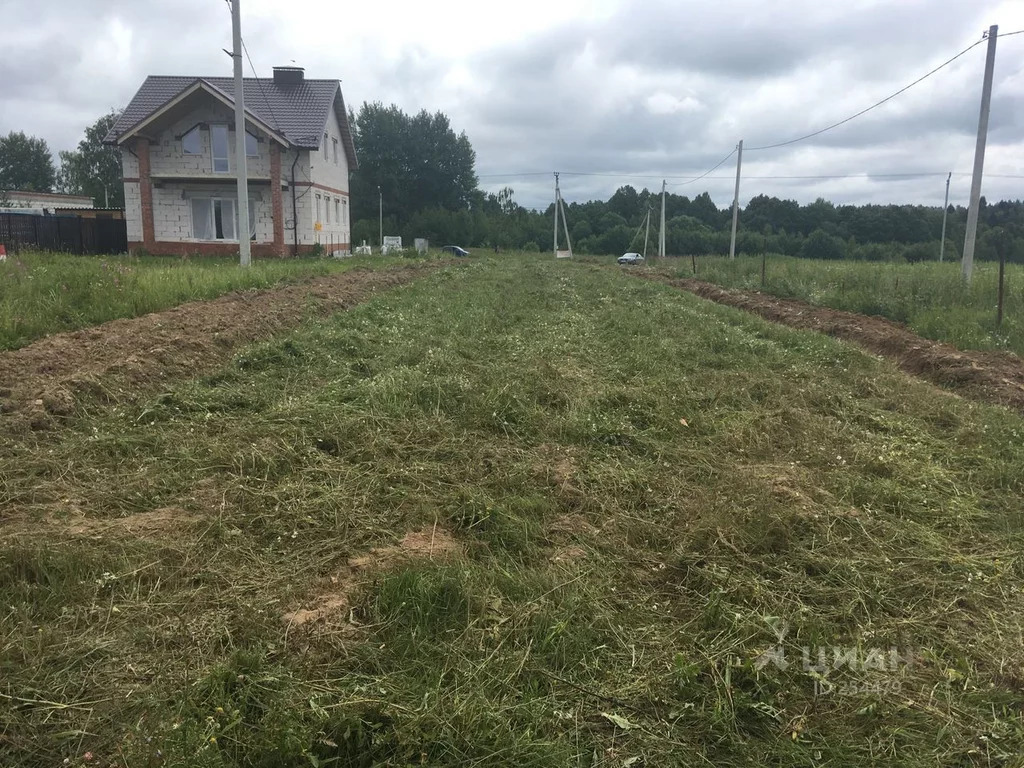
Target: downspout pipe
<point x="295" y="209"/>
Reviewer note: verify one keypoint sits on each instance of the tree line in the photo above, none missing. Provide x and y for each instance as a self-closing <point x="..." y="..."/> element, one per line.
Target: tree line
<point x="426" y="177"/>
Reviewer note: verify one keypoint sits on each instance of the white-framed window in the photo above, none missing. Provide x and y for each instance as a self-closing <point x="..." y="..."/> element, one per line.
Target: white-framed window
<point x="337" y="210"/>
<point x="219" y="147"/>
<point x="192" y="142"/>
<point x="216" y="218"/>
<point x="327" y="206"/>
<point x="252" y="145"/>
<point x="335" y="151"/>
<point x="344" y="212"/>
<point x="318" y="208"/>
<point x="326" y="158"/>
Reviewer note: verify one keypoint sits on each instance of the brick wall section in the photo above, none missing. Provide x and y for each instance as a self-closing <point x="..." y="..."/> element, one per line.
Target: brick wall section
<point x="145" y="191"/>
<point x="259" y="250"/>
<point x="276" y="203"/>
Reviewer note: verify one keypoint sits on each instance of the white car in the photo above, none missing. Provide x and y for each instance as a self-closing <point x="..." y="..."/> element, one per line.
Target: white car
<point x="630" y="258"/>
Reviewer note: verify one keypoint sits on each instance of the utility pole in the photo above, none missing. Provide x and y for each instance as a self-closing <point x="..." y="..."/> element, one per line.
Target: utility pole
<point x="661" y="233"/>
<point x="565" y="223"/>
<point x="380" y="218"/>
<point x="967" y="263"/>
<point x="945" y="209"/>
<point x="244" y="252"/>
<point x="556" y="215"/>
<point x="736" y="200"/>
<point x="647" y="231"/>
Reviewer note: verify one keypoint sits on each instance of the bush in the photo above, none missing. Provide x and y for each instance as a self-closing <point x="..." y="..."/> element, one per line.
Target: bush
<point x="821" y="245"/>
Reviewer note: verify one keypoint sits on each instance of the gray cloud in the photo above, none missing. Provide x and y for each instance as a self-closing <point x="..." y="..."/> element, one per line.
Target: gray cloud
<point x="643" y="88"/>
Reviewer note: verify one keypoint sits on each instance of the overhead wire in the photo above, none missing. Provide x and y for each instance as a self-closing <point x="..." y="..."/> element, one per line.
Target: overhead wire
<point x="891" y="96"/>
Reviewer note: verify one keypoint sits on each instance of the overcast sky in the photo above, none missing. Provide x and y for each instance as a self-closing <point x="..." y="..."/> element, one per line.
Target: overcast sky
<point x="646" y="89"/>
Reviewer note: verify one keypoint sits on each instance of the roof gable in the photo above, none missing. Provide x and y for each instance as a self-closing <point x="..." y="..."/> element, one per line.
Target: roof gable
<point x="297" y="112"/>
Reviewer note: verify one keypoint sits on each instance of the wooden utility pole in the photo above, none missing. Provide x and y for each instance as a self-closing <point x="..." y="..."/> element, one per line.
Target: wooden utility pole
<point x="736" y="200"/>
<point x="647" y="231"/>
<point x="661" y="232"/>
<point x="967" y="262"/>
<point x="556" y="215"/>
<point x="244" y="251"/>
<point x="945" y="209"/>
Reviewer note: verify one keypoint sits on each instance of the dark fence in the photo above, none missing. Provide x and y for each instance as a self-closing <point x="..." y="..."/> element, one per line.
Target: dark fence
<point x="70" y="234"/>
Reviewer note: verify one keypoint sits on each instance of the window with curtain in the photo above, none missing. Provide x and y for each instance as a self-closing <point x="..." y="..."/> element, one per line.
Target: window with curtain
<point x="216" y="218"/>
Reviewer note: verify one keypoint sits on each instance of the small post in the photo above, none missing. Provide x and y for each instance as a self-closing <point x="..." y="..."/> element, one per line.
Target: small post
<point x="1001" y="244"/>
<point x="764" y="259"/>
<point x="945" y="210"/>
<point x="967" y="262"/>
<point x="693" y="261"/>
<point x="736" y="200"/>
<point x="244" y="252"/>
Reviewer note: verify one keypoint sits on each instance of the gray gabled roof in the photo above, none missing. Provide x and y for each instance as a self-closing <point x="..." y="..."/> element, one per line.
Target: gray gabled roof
<point x="298" y="112"/>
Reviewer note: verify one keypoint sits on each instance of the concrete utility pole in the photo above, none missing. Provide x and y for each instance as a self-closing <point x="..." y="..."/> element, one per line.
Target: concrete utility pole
<point x="967" y="263"/>
<point x="380" y="218"/>
<point x="244" y="252"/>
<point x="736" y="200"/>
<point x="945" y="208"/>
<point x="661" y="232"/>
<point x="556" y="215"/>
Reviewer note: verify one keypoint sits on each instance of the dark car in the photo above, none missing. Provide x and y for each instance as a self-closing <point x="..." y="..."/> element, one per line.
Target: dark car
<point x="454" y="250"/>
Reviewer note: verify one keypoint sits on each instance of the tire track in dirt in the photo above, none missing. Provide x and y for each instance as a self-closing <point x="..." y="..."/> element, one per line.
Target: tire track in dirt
<point x="43" y="381"/>
<point x="993" y="377"/>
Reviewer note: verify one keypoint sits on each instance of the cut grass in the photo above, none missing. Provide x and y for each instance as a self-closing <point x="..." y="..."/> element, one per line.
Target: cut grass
<point x="43" y="293"/>
<point x="929" y="297"/>
<point x="622" y="570"/>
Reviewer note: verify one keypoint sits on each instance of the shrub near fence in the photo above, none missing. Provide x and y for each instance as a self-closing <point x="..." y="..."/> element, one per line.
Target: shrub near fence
<point x="70" y="234"/>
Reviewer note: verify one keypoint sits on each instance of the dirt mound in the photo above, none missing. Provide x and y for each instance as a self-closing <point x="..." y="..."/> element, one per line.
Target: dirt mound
<point x="42" y="381"/>
<point x="995" y="377"/>
<point x="425" y="544"/>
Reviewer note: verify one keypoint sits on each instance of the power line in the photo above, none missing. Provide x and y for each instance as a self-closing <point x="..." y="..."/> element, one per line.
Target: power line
<point x="873" y="106"/>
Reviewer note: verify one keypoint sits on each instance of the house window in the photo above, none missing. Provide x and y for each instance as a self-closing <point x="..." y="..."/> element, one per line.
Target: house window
<point x="337" y="211"/>
<point x="216" y="218"/>
<point x="318" y="207"/>
<point x="344" y="213"/>
<point x="327" y="205"/>
<point x="325" y="148"/>
<point x="219" y="145"/>
<point x="252" y="146"/>
<point x="191" y="142"/>
<point x="335" y="151"/>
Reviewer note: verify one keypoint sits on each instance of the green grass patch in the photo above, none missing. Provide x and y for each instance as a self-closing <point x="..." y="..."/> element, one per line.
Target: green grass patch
<point x="43" y="293"/>
<point x="929" y="297"/>
<point x="649" y="493"/>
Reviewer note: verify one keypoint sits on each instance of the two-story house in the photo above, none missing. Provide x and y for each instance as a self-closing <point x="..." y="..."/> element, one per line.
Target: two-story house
<point x="177" y="143"/>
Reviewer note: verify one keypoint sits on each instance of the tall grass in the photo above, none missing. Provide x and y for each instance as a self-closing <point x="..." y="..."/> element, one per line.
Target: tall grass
<point x="43" y="293"/>
<point x="929" y="297"/>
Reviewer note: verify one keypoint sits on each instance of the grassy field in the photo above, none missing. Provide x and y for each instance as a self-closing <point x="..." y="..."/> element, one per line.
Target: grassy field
<point x="520" y="513"/>
<point x="43" y="293"/>
<point x="929" y="297"/>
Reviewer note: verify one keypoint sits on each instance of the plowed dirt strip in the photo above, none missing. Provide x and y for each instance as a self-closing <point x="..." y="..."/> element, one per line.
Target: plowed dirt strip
<point x="994" y="377"/>
<point x="43" y="380"/>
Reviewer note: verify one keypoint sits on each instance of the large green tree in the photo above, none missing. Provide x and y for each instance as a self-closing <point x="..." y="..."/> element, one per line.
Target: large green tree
<point x="93" y="169"/>
<point x="418" y="161"/>
<point x="26" y="163"/>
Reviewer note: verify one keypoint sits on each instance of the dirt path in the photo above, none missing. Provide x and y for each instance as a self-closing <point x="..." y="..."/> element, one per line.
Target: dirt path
<point x="41" y="382"/>
<point x="994" y="377"/>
